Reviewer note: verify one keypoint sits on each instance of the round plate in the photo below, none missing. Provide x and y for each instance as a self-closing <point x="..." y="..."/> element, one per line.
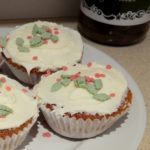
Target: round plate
<point x="126" y="134"/>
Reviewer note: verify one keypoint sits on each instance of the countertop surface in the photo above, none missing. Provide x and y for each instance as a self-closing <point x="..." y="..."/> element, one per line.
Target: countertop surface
<point x="135" y="59"/>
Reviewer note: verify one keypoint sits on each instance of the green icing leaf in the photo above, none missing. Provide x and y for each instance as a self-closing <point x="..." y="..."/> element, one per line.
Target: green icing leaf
<point x="91" y="89"/>
<point x="36" y="41"/>
<point x="54" y="38"/>
<point x="80" y="82"/>
<point x="3" y="41"/>
<point x="65" y="76"/>
<point x="65" y="81"/>
<point x="4" y="110"/>
<point x="35" y="30"/>
<point x="46" y="35"/>
<point x="45" y="27"/>
<point x="23" y="49"/>
<point x="101" y="97"/>
<point x="41" y="30"/>
<point x="98" y="84"/>
<point x="56" y="86"/>
<point x="19" y="41"/>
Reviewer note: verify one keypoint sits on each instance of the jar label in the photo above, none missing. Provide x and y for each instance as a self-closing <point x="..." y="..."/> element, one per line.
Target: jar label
<point x="117" y="12"/>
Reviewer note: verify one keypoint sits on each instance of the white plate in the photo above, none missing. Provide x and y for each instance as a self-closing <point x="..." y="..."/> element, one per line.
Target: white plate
<point x="126" y="134"/>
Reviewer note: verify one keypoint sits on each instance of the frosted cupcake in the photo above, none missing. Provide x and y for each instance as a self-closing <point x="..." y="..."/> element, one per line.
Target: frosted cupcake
<point x="41" y="47"/>
<point x="18" y="113"/>
<point x="83" y="101"/>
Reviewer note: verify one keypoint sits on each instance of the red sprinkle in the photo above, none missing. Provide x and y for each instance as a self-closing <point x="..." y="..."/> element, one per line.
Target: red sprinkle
<point x="49" y="30"/>
<point x="108" y="67"/>
<point x="45" y="41"/>
<point x="64" y="68"/>
<point x="89" y="64"/>
<point x="112" y="94"/>
<point x="89" y="79"/>
<point x="75" y="76"/>
<point x="56" y="32"/>
<point x="24" y="90"/>
<point x="34" y="58"/>
<point x="58" y="79"/>
<point x="46" y="134"/>
<point x="97" y="75"/>
<point x="48" y="72"/>
<point x="29" y="37"/>
<point x="2" y="79"/>
<point x="8" y="88"/>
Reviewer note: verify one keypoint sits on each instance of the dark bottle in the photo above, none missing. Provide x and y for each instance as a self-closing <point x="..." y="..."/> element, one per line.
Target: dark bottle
<point x="115" y="22"/>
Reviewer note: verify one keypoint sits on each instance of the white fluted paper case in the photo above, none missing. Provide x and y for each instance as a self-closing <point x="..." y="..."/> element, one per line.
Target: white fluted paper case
<point x="11" y="143"/>
<point x="77" y="129"/>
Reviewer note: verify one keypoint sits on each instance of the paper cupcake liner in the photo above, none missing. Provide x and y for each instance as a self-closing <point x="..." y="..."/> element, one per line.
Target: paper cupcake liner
<point x="11" y="143"/>
<point x="78" y="129"/>
<point x="23" y="76"/>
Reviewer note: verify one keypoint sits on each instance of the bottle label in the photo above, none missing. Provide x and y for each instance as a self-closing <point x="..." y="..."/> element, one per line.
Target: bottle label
<point x="117" y="12"/>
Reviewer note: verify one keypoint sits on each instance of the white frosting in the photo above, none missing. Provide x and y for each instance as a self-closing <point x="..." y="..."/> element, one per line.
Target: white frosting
<point x="24" y="107"/>
<point x="67" y="51"/>
<point x="75" y="99"/>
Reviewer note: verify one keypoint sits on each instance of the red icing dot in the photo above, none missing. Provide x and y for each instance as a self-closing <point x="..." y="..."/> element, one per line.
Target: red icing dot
<point x="34" y="58"/>
<point x="112" y="94"/>
<point x="29" y="37"/>
<point x="97" y="75"/>
<point x="64" y="68"/>
<point x="46" y="134"/>
<point x="24" y="90"/>
<point x="89" y="79"/>
<point x="56" y="32"/>
<point x="2" y="79"/>
<point x="89" y="64"/>
<point x="49" y="30"/>
<point x="8" y="88"/>
<point x="108" y="67"/>
<point x="45" y="41"/>
<point x="48" y="72"/>
<point x="58" y="79"/>
<point x="75" y="76"/>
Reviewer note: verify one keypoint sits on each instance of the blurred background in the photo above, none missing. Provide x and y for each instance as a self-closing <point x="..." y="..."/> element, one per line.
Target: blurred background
<point x="24" y="9"/>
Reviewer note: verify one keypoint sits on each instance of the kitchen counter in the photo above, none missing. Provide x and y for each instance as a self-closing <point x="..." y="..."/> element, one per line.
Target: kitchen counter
<point x="135" y="59"/>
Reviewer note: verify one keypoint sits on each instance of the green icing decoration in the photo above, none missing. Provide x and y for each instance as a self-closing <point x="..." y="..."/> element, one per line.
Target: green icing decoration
<point x="65" y="81"/>
<point x="4" y="110"/>
<point x="56" y="86"/>
<point x="91" y="89"/>
<point x="3" y="41"/>
<point x="46" y="35"/>
<point x="65" y="76"/>
<point x="36" y="41"/>
<point x="81" y="82"/>
<point x="35" y="30"/>
<point x="23" y="49"/>
<point x="98" y="84"/>
<point x="19" y="41"/>
<point x="101" y="97"/>
<point x="54" y="38"/>
<point x="45" y="27"/>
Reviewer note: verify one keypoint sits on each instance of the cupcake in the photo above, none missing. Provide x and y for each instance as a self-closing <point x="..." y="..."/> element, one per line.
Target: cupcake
<point x="83" y="101"/>
<point x="18" y="113"/>
<point x="40" y="48"/>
